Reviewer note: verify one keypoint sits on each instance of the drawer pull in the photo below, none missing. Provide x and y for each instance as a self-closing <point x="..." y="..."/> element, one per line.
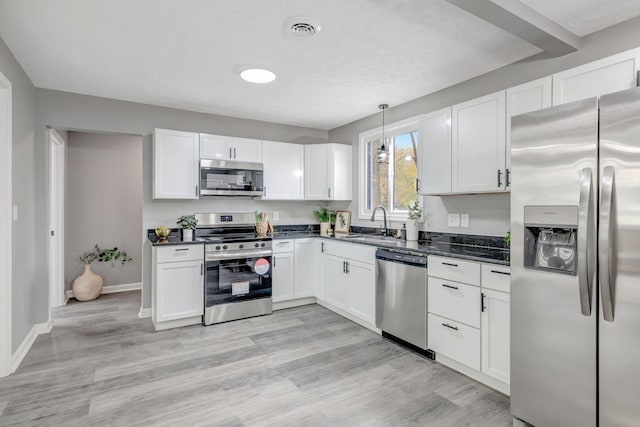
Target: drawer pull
<point x="182" y="249"/>
<point x="450" y="286"/>
<point x="506" y="273"/>
<point x="455" y="328"/>
<point x="449" y="264"/>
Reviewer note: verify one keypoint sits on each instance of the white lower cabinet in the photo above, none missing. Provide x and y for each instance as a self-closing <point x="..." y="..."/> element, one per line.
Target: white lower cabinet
<point x="454" y="340"/>
<point x="282" y="276"/>
<point x="177" y="285"/>
<point x="336" y="281"/>
<point x="303" y="279"/>
<point x="318" y="269"/>
<point x="496" y="334"/>
<point x="361" y="290"/>
<point x="468" y="319"/>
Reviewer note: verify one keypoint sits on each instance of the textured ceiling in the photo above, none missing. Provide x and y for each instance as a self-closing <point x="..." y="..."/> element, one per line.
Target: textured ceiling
<point x="583" y="17"/>
<point x="187" y="54"/>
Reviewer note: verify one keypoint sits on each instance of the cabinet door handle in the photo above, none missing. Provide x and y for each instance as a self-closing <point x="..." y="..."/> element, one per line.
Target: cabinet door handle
<point x="450" y="286"/>
<point x="230" y="153"/>
<point x="417" y="185"/>
<point x="182" y="249"/>
<point x="499" y="178"/>
<point x="482" y="306"/>
<point x="329" y="192"/>
<point x="446" y="325"/>
<point x="201" y="269"/>
<point x="235" y="155"/>
<point x="197" y="193"/>
<point x="347" y="266"/>
<point x="274" y="261"/>
<point x="508" y="178"/>
<point x="449" y="264"/>
<point x="322" y="247"/>
<point x="506" y="273"/>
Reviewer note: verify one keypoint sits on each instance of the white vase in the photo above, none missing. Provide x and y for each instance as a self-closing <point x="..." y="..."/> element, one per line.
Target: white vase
<point x="187" y="235"/>
<point x="412" y="230"/>
<point x="87" y="286"/>
<point x="324" y="228"/>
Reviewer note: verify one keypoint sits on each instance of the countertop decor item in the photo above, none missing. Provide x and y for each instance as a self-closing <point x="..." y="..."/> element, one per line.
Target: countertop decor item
<point x="188" y="224"/>
<point x="325" y="217"/>
<point x="264" y="226"/>
<point x="414" y="216"/>
<point x="88" y="286"/>
<point x="163" y="232"/>
<point x="343" y="223"/>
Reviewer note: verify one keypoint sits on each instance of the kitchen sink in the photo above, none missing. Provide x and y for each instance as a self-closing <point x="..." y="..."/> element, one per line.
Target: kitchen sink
<point x="371" y="238"/>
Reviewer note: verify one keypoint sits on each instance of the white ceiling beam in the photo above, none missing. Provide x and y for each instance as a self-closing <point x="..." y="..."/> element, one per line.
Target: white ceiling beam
<point x="520" y="20"/>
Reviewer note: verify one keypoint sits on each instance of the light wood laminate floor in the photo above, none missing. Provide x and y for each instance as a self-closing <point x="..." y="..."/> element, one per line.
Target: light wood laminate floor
<point x="306" y="366"/>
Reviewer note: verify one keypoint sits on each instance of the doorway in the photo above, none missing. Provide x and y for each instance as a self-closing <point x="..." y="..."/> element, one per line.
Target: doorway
<point x="56" y="219"/>
<point x="6" y="215"/>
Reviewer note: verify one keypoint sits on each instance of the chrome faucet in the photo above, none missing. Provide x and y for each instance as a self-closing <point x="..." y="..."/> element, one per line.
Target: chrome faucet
<point x="384" y="216"/>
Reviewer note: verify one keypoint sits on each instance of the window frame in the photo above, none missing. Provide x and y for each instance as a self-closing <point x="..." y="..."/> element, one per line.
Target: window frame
<point x="392" y="129"/>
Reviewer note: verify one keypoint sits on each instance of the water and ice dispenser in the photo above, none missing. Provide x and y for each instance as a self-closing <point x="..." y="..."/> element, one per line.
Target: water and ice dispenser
<point x="551" y="238"/>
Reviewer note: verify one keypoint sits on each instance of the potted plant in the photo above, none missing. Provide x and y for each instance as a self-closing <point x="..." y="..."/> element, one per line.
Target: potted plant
<point x="88" y="286"/>
<point x="415" y="215"/>
<point x="325" y="217"/>
<point x="188" y="224"/>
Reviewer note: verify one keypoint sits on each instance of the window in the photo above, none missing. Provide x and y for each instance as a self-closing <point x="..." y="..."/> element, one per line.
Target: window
<point x="391" y="184"/>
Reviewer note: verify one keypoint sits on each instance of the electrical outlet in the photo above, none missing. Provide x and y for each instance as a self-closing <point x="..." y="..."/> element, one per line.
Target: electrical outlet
<point x="276" y="215"/>
<point x="464" y="220"/>
<point x="454" y="220"/>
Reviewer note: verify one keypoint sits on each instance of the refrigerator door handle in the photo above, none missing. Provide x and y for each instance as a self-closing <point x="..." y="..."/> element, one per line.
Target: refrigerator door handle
<point x="586" y="242"/>
<point x="605" y="242"/>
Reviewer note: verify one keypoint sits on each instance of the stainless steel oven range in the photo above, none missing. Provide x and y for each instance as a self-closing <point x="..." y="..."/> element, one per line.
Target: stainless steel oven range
<point x="237" y="267"/>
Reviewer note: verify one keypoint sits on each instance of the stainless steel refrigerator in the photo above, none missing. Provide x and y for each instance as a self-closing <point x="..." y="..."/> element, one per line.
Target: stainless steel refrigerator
<point x="575" y="263"/>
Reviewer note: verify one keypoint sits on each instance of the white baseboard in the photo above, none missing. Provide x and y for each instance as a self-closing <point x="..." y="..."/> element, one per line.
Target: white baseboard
<point x="125" y="287"/>
<point x="27" y="342"/>
<point x="144" y="313"/>
<point x="293" y="303"/>
<point x="473" y="374"/>
<point x="350" y="316"/>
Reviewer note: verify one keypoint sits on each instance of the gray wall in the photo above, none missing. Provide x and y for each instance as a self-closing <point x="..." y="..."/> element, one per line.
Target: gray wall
<point x="25" y="267"/>
<point x="103" y="203"/>
<point x="489" y="214"/>
<point x="86" y="113"/>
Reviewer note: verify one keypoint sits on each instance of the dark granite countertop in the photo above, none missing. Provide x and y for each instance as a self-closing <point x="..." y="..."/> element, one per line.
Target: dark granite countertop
<point x="473" y="251"/>
<point x="473" y="248"/>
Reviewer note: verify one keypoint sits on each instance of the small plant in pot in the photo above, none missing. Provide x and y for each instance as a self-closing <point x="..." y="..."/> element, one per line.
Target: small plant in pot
<point x="325" y="217"/>
<point x="414" y="216"/>
<point x="188" y="224"/>
<point x="88" y="286"/>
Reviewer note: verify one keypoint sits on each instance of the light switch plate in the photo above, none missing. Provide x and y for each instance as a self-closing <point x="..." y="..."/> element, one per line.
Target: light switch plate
<point x="454" y="220"/>
<point x="464" y="220"/>
<point x="276" y="215"/>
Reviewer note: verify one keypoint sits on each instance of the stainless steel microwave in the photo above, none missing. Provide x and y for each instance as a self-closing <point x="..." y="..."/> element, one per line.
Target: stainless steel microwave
<point x="230" y="178"/>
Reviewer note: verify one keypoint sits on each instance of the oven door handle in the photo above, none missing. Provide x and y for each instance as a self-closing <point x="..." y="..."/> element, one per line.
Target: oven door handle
<point x="237" y="255"/>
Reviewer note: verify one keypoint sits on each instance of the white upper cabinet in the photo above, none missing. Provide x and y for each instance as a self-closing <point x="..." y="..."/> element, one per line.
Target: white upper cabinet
<point x="522" y="99"/>
<point x="435" y="153"/>
<point x="478" y="144"/>
<point x="328" y="170"/>
<point x="220" y="147"/>
<point x="175" y="164"/>
<point x="283" y="170"/>
<point x="612" y="74"/>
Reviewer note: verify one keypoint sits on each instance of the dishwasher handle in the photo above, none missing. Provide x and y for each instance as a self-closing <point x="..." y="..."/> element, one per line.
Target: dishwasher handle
<point x="415" y="260"/>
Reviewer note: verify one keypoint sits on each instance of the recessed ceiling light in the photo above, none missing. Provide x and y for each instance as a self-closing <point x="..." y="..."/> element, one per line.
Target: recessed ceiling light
<point x="258" y="75"/>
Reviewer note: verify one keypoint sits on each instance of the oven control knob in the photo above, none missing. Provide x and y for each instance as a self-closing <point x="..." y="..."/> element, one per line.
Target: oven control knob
<point x="263" y="245"/>
<point x="218" y="248"/>
<point x="224" y="247"/>
<point x="257" y="245"/>
<point x="241" y="247"/>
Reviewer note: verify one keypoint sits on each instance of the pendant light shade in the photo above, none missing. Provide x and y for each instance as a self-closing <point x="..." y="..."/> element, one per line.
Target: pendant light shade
<point x="383" y="151"/>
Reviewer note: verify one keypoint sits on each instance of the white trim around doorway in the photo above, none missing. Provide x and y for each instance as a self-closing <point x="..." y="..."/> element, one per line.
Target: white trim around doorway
<point x="6" y="218"/>
<point x="56" y="214"/>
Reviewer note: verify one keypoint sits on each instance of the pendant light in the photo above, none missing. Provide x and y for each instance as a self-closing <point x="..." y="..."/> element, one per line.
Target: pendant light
<point x="383" y="152"/>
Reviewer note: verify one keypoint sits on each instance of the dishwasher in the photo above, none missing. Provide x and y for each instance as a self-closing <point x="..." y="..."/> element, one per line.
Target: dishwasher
<point x="401" y="297"/>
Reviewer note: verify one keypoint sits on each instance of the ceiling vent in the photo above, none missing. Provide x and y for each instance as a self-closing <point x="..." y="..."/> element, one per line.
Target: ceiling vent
<point x="302" y="27"/>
